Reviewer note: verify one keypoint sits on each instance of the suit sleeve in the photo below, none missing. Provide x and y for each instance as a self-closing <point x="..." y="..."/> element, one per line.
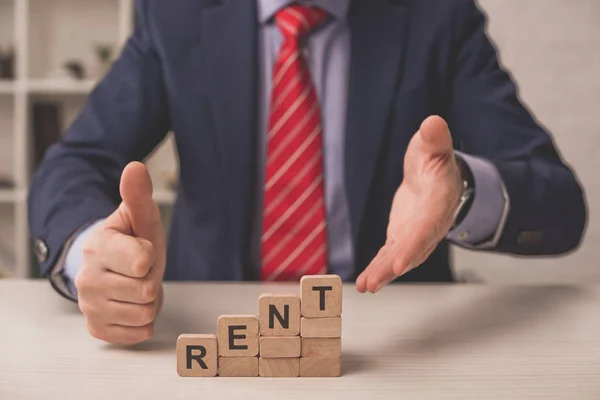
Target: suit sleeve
<point x="124" y="119"/>
<point x="547" y="208"/>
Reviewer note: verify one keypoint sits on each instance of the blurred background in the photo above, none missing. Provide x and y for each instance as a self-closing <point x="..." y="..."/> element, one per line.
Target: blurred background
<point x="52" y="52"/>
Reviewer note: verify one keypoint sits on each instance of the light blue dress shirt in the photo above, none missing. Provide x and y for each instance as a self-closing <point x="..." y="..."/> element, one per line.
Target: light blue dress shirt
<point x="327" y="51"/>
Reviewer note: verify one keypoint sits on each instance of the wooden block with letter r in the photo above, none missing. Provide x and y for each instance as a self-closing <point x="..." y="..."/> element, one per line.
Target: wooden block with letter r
<point x="321" y="327"/>
<point x="279" y="314"/>
<point x="280" y="347"/>
<point x="321" y="296"/>
<point x="320" y="366"/>
<point x="237" y="335"/>
<point x="238" y="366"/>
<point x="279" y="367"/>
<point x="197" y="355"/>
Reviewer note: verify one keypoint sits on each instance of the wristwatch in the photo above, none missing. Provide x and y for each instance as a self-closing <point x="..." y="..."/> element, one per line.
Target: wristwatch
<point x="468" y="191"/>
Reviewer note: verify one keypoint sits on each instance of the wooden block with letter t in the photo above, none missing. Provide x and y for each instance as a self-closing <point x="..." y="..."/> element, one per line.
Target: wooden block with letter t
<point x="237" y="335"/>
<point x="279" y="314"/>
<point x="321" y="296"/>
<point x="197" y="355"/>
<point x="238" y="366"/>
<point x="320" y="366"/>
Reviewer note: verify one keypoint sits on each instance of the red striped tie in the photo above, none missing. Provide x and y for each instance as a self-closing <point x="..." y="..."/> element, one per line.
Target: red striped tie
<point x="294" y="236"/>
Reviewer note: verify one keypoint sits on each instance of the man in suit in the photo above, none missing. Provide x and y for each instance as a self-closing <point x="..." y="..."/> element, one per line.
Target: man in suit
<point x="350" y="137"/>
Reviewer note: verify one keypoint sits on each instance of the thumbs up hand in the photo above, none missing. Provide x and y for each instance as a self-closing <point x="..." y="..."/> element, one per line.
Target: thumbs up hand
<point x="120" y="283"/>
<point x="423" y="208"/>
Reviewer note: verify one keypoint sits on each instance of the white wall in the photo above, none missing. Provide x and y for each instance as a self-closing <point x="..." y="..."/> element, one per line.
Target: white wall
<point x="552" y="47"/>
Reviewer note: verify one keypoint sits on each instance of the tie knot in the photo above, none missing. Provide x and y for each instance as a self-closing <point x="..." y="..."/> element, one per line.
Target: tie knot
<point x="297" y="20"/>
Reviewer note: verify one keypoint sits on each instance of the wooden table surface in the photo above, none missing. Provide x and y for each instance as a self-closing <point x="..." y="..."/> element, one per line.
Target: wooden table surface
<point x="446" y="341"/>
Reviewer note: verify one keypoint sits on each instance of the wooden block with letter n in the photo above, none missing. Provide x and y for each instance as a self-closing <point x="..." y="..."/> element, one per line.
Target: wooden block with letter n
<point x="321" y="296"/>
<point x="237" y="335"/>
<point x="279" y="367"/>
<point x="279" y="314"/>
<point x="197" y="355"/>
<point x="238" y="366"/>
<point x="320" y="366"/>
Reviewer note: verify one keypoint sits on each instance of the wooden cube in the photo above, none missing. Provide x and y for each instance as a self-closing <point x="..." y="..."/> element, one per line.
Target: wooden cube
<point x="279" y="367"/>
<point x="279" y="315"/>
<point x="321" y="296"/>
<point x="237" y="335"/>
<point x="319" y="347"/>
<point x="320" y="366"/>
<point x="197" y="355"/>
<point x="238" y="366"/>
<point x="280" y="347"/>
<point x="320" y="327"/>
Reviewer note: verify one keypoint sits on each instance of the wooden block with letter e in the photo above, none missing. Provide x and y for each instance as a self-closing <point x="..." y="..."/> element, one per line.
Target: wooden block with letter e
<point x="320" y="366"/>
<point x="238" y="366"/>
<point x="197" y="355"/>
<point x="321" y="296"/>
<point x="280" y="347"/>
<point x="279" y="367"/>
<point x="279" y="314"/>
<point x="321" y="327"/>
<point x="321" y="347"/>
<point x="237" y="335"/>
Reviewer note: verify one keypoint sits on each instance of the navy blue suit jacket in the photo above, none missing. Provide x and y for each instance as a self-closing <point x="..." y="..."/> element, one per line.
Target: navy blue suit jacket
<point x="191" y="67"/>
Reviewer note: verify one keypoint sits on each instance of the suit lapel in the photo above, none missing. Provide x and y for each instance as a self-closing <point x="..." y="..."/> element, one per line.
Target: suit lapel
<point x="229" y="37"/>
<point x="377" y="30"/>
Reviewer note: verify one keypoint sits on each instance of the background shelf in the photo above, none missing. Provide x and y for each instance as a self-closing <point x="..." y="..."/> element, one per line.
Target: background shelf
<point x="7" y="240"/>
<point x="7" y="87"/>
<point x="6" y="140"/>
<point x="11" y="196"/>
<point x="60" y="86"/>
<point x="45" y="35"/>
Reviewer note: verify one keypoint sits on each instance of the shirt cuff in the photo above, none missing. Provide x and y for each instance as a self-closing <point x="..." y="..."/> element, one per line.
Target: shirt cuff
<point x="70" y="262"/>
<point x="483" y="224"/>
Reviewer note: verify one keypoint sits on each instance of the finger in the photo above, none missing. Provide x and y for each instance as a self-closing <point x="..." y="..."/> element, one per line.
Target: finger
<point x="130" y="290"/>
<point x="379" y="272"/>
<point x="436" y="136"/>
<point x="129" y="314"/>
<point x="380" y="258"/>
<point x="417" y="238"/>
<point x="361" y="282"/>
<point x="397" y="257"/>
<point x="121" y="335"/>
<point x="120" y="253"/>
<point x="138" y="209"/>
<point x="110" y="312"/>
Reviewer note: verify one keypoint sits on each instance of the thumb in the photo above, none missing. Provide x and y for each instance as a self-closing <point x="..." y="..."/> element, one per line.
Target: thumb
<point x="435" y="133"/>
<point x="138" y="212"/>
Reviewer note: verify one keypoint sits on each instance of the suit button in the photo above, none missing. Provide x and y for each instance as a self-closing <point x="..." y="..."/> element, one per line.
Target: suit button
<point x="529" y="238"/>
<point x="40" y="249"/>
<point x="463" y="235"/>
